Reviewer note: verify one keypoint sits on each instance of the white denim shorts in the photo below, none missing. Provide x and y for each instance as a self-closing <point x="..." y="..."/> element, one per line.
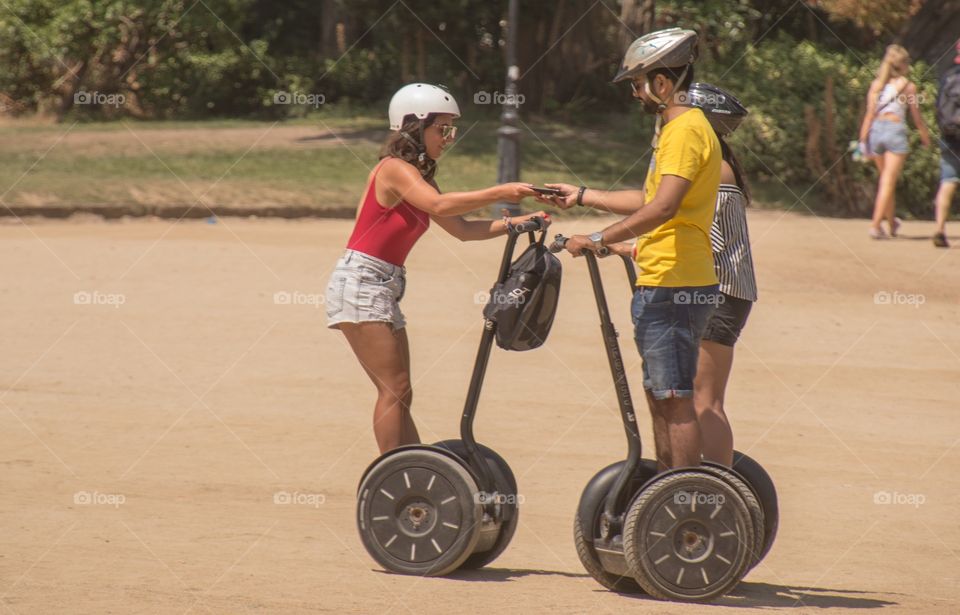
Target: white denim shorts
<point x="364" y="288"/>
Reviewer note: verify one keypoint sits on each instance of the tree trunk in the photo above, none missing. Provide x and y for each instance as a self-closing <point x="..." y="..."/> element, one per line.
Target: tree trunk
<point x="421" y="55"/>
<point x="329" y="18"/>
<point x="931" y="34"/>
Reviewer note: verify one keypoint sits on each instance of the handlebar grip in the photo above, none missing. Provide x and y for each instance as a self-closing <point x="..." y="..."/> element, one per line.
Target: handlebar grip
<point x="559" y="241"/>
<point x="529" y="226"/>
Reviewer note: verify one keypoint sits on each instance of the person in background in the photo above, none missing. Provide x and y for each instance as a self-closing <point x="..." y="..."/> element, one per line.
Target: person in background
<point x="948" y="119"/>
<point x="884" y="133"/>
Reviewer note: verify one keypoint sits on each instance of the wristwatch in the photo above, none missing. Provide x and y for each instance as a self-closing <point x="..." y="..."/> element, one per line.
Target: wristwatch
<point x="596" y="238"/>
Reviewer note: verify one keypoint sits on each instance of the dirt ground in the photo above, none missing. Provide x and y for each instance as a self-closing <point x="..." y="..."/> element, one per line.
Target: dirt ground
<point x="176" y="436"/>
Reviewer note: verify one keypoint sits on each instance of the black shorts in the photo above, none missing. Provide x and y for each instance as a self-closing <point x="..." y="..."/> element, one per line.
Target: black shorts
<point x="727" y="321"/>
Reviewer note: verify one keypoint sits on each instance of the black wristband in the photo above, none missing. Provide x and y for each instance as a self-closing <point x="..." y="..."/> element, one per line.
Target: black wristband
<point x="580" y="195"/>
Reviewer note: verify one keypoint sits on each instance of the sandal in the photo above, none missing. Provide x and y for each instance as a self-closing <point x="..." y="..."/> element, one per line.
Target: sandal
<point x="895" y="227"/>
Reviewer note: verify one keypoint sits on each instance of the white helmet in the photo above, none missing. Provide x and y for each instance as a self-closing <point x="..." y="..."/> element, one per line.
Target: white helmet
<point x="420" y="99"/>
<point x="670" y="48"/>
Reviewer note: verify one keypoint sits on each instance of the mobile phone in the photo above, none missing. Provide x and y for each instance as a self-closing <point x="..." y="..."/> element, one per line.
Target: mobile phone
<point x="548" y="191"/>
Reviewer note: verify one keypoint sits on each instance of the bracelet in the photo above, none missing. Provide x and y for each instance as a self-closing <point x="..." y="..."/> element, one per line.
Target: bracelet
<point x="580" y="195"/>
<point x="506" y="224"/>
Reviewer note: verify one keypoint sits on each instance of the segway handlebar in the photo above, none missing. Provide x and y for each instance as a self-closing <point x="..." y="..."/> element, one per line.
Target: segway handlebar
<point x="532" y="225"/>
<point x="559" y="242"/>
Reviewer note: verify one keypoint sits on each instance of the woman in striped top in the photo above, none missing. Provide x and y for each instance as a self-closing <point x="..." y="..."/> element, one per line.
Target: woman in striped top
<point x="733" y="264"/>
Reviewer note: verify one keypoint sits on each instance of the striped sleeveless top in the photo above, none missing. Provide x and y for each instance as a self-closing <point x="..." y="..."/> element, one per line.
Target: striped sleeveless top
<point x="732" y="259"/>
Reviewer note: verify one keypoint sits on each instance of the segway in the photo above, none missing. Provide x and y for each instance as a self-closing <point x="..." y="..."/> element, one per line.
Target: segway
<point x="744" y="468"/>
<point x="687" y="534"/>
<point x="431" y="509"/>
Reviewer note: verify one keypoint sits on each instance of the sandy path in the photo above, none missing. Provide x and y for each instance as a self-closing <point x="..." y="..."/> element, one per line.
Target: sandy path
<point x="197" y="399"/>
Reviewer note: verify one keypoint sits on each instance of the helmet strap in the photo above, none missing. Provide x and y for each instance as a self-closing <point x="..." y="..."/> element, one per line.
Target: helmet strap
<point x="421" y="149"/>
<point x="662" y="104"/>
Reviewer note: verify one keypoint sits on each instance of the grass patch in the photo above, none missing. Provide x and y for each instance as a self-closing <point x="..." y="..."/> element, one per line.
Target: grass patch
<point x="320" y="161"/>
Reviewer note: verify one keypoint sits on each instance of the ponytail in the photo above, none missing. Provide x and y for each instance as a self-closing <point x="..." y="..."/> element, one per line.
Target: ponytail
<point x="730" y="158"/>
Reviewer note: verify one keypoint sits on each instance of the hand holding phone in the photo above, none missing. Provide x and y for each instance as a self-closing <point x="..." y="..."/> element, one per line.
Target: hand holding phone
<point x="548" y="191"/>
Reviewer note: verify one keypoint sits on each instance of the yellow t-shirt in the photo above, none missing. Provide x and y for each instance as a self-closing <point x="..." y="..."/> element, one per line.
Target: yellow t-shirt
<point x="678" y="252"/>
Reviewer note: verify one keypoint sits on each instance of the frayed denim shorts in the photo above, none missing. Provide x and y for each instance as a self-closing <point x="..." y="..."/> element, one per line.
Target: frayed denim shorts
<point x="364" y="288"/>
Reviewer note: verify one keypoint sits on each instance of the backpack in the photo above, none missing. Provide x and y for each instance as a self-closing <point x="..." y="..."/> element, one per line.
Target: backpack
<point x="524" y="304"/>
<point x="948" y="105"/>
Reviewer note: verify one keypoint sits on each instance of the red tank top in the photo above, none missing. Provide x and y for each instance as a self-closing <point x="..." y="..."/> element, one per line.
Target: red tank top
<point x="387" y="233"/>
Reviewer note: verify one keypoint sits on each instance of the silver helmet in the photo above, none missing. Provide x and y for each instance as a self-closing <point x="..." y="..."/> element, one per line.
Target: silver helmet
<point x="670" y="48"/>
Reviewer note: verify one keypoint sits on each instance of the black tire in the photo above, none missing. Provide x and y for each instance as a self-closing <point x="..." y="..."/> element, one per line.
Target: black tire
<point x="507" y="486"/>
<point x="591" y="563"/>
<point x="753" y="505"/>
<point x="667" y="543"/>
<point x="766" y="492"/>
<point x="418" y="513"/>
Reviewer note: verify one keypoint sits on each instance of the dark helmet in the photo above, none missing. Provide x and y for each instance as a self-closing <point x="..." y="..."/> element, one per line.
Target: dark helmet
<point x="722" y="108"/>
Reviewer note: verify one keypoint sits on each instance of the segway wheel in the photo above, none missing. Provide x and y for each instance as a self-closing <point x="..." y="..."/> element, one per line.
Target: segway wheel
<point x="506" y="485"/>
<point x="750" y="499"/>
<point x="763" y="486"/>
<point x="419" y="513"/>
<point x="688" y="536"/>
<point x="591" y="563"/>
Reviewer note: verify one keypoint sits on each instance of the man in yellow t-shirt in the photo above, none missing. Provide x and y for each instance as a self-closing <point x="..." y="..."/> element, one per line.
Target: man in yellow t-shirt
<point x="670" y="218"/>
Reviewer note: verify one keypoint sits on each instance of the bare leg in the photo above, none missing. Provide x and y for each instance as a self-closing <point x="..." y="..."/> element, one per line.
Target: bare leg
<point x="713" y="370"/>
<point x="944" y="197"/>
<point x="410" y="434"/>
<point x="676" y="432"/>
<point x="384" y="355"/>
<point x="886" y="190"/>
<point x="877" y="205"/>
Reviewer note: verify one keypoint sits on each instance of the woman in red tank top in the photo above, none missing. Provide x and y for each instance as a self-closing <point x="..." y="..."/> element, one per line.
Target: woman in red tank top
<point x="400" y="200"/>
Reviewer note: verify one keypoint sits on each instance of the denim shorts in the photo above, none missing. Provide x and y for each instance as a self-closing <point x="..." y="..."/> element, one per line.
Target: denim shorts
<point x="668" y="323"/>
<point x="949" y="166"/>
<point x="363" y="288"/>
<point x="727" y="321"/>
<point x="888" y="136"/>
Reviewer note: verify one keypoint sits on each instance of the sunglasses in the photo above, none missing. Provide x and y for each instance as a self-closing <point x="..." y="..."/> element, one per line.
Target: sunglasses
<point x="447" y="131"/>
<point x="636" y="86"/>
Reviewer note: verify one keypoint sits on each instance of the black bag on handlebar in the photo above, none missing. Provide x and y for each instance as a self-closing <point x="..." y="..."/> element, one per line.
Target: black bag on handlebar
<point x="523" y="305"/>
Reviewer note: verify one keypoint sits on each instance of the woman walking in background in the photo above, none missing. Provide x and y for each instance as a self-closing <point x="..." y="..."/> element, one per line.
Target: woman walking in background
<point x="400" y="200"/>
<point x="883" y="133"/>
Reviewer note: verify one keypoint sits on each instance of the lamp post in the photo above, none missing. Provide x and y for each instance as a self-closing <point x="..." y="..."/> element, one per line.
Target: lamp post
<point x="508" y="135"/>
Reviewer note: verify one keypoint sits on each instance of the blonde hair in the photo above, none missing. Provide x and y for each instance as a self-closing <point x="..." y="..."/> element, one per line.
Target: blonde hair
<point x="896" y="63"/>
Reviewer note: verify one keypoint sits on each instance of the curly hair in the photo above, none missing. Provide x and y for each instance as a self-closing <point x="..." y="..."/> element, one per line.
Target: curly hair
<point x="404" y="143"/>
